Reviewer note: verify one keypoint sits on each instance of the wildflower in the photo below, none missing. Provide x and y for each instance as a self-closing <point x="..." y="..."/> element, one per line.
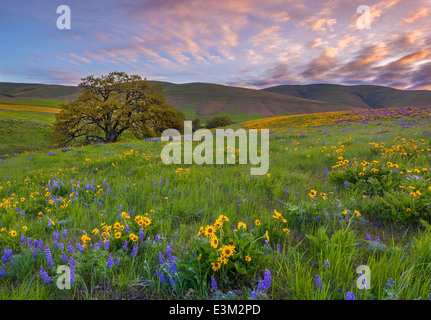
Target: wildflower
<point x="72" y="275"/>
<point x="117" y="235"/>
<point x="277" y="215"/>
<point x="133" y="237"/>
<point x="227" y="250"/>
<point x="171" y="281"/>
<point x="368" y="237"/>
<point x="344" y="212"/>
<point x="278" y="247"/>
<point x="64" y="257"/>
<point x="117" y="263"/>
<point x="48" y="256"/>
<point x="350" y="296"/>
<point x="214" y="286"/>
<point x="161" y="259"/>
<point x="357" y="213"/>
<point x="257" y="222"/>
<point x="110" y="261"/>
<point x="209" y="231"/>
<point x="34" y="253"/>
<point x="265" y="284"/>
<point x="125" y="245"/>
<point x="214" y="242"/>
<point x="377" y="239"/>
<point x="141" y="234"/>
<point x="162" y="278"/>
<point x="247" y="258"/>
<point x="2" y="272"/>
<point x="326" y="263"/>
<point x="253" y="294"/>
<point x="267" y="235"/>
<point x="319" y="283"/>
<point x="215" y="265"/>
<point x="44" y="275"/>
<point x="13" y="233"/>
<point x="106" y="245"/>
<point x="312" y="193"/>
<point x="135" y="250"/>
<point x="222" y="259"/>
<point x="72" y="261"/>
<point x="390" y="283"/>
<point x="286" y="230"/>
<point x="323" y="195"/>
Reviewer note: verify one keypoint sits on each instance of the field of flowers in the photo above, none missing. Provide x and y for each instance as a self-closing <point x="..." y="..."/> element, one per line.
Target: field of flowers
<point x="344" y="189"/>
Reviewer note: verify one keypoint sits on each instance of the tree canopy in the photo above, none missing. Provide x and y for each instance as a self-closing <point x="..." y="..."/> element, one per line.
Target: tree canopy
<point x="112" y="104"/>
<point x="218" y="122"/>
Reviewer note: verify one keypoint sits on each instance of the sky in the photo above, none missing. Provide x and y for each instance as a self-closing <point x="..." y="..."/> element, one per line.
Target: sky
<point x="247" y="43"/>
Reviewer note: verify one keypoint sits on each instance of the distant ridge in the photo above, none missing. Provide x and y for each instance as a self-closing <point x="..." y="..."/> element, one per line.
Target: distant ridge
<point x="207" y="100"/>
<point x="362" y="96"/>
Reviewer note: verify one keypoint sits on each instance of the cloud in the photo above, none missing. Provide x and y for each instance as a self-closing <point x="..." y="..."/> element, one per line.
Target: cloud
<point x="73" y="55"/>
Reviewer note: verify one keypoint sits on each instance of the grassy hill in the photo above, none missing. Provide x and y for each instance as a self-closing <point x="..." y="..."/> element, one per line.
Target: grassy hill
<point x="363" y="96"/>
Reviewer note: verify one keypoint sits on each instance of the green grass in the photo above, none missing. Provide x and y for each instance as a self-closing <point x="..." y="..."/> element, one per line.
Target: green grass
<point x="181" y="198"/>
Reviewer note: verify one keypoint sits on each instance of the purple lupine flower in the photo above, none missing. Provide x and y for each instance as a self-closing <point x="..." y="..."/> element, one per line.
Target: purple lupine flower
<point x="117" y="263"/>
<point x="265" y="284"/>
<point x="319" y="283"/>
<point x="61" y="246"/>
<point x="22" y="239"/>
<point x="172" y="267"/>
<point x="213" y="284"/>
<point x="35" y="243"/>
<point x="64" y="234"/>
<point x="72" y="261"/>
<point x="162" y="278"/>
<point x="171" y="281"/>
<point x="377" y="239"/>
<point x="64" y="257"/>
<point x="110" y="261"/>
<point x="141" y="234"/>
<point x="253" y="294"/>
<point x="29" y="243"/>
<point x="2" y="273"/>
<point x="278" y="247"/>
<point x="169" y="251"/>
<point x="161" y="259"/>
<point x="390" y="283"/>
<point x="106" y="245"/>
<point x="35" y="253"/>
<point x="350" y="296"/>
<point x="125" y="245"/>
<point x="72" y="275"/>
<point x="48" y="256"/>
<point x="4" y="259"/>
<point x="346" y="183"/>
<point x="368" y="237"/>
<point x="135" y="250"/>
<point x="70" y="248"/>
<point x="55" y="236"/>
<point x="40" y="245"/>
<point x="326" y="263"/>
<point x="44" y="275"/>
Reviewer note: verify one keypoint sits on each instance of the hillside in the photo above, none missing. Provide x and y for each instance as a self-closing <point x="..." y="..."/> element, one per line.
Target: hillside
<point x="207" y="100"/>
<point x="361" y="96"/>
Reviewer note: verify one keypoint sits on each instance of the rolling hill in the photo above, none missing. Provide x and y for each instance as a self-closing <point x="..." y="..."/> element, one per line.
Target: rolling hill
<point x="241" y="104"/>
<point x="361" y="96"/>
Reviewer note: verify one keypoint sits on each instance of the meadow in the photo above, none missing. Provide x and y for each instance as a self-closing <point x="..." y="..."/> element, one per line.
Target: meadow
<point x="344" y="189"/>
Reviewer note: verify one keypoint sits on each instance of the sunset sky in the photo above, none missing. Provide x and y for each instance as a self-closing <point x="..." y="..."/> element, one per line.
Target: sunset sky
<point x="249" y="43"/>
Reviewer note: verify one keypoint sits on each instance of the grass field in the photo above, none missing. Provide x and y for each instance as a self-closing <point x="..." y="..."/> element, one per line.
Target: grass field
<point x="344" y="189"/>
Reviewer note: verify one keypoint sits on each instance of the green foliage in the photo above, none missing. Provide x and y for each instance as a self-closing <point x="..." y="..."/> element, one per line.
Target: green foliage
<point x="112" y="104"/>
<point x="218" y="122"/>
